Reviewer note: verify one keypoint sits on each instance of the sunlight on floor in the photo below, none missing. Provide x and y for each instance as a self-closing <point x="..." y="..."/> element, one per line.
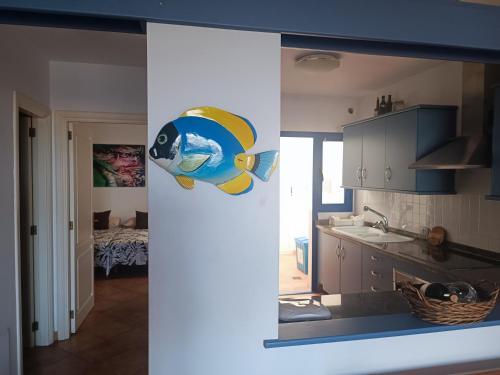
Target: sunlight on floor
<point x="292" y="280"/>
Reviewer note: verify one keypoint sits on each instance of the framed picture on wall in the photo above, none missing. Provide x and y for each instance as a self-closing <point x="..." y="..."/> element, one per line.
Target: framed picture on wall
<point x="119" y="165"/>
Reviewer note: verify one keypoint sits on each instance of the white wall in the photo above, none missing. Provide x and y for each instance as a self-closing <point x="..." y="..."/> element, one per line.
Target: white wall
<point x="122" y="201"/>
<point x="97" y="87"/>
<point x="316" y="113"/>
<point x="214" y="284"/>
<point x="28" y="73"/>
<point x="441" y="84"/>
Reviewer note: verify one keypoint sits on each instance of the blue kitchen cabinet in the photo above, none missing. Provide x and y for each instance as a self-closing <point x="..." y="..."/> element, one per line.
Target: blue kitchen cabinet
<point x="391" y="142"/>
<point x="372" y="171"/>
<point x="353" y="151"/>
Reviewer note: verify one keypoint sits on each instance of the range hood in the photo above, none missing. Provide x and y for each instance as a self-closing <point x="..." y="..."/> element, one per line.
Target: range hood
<point x="472" y="149"/>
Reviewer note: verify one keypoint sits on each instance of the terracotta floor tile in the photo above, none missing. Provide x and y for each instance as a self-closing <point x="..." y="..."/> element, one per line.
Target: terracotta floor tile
<point x="69" y="365"/>
<point x="129" y="362"/>
<point x="43" y="356"/>
<point x="80" y="342"/>
<point x="113" y="339"/>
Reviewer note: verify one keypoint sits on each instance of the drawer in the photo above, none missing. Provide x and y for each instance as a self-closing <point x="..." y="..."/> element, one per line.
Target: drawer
<point x="375" y="281"/>
<point x="377" y="271"/>
<point x="375" y="260"/>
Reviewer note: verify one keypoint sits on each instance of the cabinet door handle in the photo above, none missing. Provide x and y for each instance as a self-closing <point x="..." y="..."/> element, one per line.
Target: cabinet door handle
<point x="363" y="173"/>
<point x="374" y="289"/>
<point x="375" y="274"/>
<point x="342" y="252"/>
<point x="337" y="251"/>
<point x="374" y="258"/>
<point x="388" y="174"/>
<point x="358" y="174"/>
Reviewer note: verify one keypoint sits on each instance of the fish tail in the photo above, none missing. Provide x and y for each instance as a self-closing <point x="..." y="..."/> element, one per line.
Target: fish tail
<point x="262" y="164"/>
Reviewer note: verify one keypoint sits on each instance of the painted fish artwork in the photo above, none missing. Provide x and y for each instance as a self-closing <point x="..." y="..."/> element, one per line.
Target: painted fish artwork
<point x="209" y="144"/>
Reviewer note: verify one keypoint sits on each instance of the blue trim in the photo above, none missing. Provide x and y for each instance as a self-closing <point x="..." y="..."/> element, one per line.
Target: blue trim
<point x="364" y="328"/>
<point x="68" y="21"/>
<point x="396" y="20"/>
<point x="317" y="206"/>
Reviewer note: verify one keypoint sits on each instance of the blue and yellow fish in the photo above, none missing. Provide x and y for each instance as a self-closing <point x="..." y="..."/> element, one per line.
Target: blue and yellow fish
<point x="209" y="144"/>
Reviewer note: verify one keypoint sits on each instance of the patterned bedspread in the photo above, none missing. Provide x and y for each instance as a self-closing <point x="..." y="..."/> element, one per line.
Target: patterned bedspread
<point x="120" y="246"/>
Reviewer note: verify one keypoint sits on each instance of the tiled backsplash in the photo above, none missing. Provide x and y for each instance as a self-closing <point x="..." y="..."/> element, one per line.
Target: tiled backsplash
<point x="469" y="219"/>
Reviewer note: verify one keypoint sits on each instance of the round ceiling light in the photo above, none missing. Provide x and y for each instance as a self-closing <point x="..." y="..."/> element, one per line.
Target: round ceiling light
<point x="318" y="62"/>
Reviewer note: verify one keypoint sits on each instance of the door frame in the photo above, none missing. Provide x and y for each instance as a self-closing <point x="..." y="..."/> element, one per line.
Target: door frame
<point x="317" y="205"/>
<point x="61" y="192"/>
<point x="42" y="217"/>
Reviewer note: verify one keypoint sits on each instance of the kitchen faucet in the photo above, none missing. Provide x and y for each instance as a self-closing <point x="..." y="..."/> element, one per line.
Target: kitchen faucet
<point x="381" y="224"/>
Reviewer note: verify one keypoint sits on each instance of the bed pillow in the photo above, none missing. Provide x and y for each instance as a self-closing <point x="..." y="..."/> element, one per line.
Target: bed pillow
<point x="141" y="220"/>
<point x="130" y="223"/>
<point x="101" y="220"/>
<point x="114" y="221"/>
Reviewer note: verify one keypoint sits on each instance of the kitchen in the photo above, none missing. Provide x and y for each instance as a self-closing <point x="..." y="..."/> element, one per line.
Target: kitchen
<point x="425" y="162"/>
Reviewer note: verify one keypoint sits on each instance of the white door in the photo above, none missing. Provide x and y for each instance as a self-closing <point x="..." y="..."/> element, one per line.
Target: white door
<point x="81" y="215"/>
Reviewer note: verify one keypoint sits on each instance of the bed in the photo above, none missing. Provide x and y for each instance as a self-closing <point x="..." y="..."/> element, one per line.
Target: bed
<point x="120" y="246"/>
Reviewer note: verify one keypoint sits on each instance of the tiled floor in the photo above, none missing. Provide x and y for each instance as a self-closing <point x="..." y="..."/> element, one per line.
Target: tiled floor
<point x="292" y="280"/>
<point x="113" y="340"/>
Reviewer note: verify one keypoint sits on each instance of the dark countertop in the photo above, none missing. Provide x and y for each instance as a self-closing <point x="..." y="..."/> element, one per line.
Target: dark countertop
<point x="352" y="305"/>
<point x="457" y="265"/>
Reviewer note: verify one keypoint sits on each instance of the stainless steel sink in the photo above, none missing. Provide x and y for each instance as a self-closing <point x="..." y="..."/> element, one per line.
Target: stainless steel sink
<point x="369" y="234"/>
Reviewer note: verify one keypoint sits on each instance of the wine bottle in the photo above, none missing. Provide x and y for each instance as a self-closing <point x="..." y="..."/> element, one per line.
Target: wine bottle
<point x="377" y="107"/>
<point x="438" y="291"/>
<point x="383" y="106"/>
<point x="389" y="104"/>
<point x="465" y="292"/>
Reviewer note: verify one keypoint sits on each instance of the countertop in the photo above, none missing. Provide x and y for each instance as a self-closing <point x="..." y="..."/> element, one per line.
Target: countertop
<point x="446" y="259"/>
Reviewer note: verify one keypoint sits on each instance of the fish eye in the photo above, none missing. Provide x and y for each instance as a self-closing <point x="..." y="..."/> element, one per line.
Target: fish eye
<point x="162" y="139"/>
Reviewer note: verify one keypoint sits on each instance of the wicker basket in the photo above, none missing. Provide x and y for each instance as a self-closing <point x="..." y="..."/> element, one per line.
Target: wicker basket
<point x="447" y="312"/>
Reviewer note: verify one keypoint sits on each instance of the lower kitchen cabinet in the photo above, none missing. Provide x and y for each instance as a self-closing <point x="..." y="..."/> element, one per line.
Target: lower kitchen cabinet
<point x="328" y="263"/>
<point x="350" y="267"/>
<point x="339" y="264"/>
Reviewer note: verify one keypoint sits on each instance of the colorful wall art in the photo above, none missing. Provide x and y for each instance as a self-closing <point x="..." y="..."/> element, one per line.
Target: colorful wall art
<point x="119" y="165"/>
<point x="209" y="144"/>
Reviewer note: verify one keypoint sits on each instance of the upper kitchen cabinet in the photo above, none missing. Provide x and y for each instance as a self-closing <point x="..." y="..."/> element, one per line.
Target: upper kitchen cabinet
<point x="372" y="172"/>
<point x="353" y="151"/>
<point x="390" y="143"/>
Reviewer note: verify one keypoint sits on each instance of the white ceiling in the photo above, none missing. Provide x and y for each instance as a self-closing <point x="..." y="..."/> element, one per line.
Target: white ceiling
<point x="95" y="47"/>
<point x="357" y="75"/>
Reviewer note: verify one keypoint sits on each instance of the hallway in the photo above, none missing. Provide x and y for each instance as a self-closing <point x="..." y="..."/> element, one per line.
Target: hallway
<point x="113" y="340"/>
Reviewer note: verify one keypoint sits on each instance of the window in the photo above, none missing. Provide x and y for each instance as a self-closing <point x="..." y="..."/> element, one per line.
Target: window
<point x="331" y="190"/>
<point x="328" y="159"/>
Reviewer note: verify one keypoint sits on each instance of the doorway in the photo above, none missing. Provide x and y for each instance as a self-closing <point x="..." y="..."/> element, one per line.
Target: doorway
<point x="296" y="170"/>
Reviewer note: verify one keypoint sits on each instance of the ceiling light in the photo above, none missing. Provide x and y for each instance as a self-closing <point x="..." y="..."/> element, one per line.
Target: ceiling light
<point x="317" y="62"/>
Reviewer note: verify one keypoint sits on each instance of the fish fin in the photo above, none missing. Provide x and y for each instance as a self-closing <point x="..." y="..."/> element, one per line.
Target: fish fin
<point x="185" y="181"/>
<point x="262" y="164"/>
<point x="192" y="162"/>
<point x="239" y="185"/>
<point x="240" y="127"/>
